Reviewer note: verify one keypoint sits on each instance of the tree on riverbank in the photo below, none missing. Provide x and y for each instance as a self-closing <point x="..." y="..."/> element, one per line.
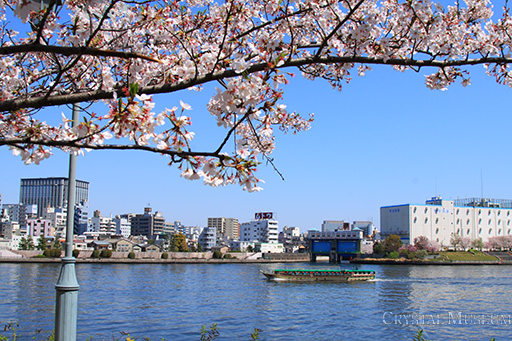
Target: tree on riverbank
<point x="123" y="52"/>
<point x="178" y="243"/>
<point x="26" y="243"/>
<point x="392" y="243"/>
<point x="42" y="243"/>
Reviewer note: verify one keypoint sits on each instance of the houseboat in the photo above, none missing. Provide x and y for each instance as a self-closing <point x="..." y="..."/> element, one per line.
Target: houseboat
<point x="318" y="275"/>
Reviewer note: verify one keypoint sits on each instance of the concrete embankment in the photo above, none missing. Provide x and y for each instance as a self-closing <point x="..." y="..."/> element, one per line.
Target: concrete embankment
<point x="156" y="258"/>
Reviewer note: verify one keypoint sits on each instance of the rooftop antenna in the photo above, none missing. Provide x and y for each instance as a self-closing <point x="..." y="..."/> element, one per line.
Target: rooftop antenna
<point x="481" y="183"/>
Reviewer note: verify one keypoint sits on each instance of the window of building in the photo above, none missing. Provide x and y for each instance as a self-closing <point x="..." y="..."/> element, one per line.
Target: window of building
<point x="489" y="212"/>
<point x="480" y="231"/>
<point x="458" y="220"/>
<point x="479" y="212"/>
<point x="458" y="210"/>
<point x="468" y="221"/>
<point x="415" y="219"/>
<point x="467" y="211"/>
<point x="458" y="231"/>
<point x="490" y="231"/>
<point x="437" y="231"/>
<point x="479" y="221"/>
<point x="499" y="231"/>
<point x="426" y="220"/>
<point x="490" y="221"/>
<point x="426" y="209"/>
<point x="414" y="211"/>
<point x="437" y="220"/>
<point x="469" y="230"/>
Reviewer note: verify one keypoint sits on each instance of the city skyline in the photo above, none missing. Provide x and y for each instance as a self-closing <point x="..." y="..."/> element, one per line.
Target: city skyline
<point x="385" y="139"/>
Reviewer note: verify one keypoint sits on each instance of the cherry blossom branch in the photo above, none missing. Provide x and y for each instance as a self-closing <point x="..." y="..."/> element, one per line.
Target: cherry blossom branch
<point x="72" y="51"/>
<point x="21" y="142"/>
<point x="338" y="26"/>
<point x="86" y="96"/>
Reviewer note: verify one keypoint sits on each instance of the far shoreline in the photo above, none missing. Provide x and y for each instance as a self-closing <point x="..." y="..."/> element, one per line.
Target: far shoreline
<point x="383" y="261"/>
<point x="388" y="261"/>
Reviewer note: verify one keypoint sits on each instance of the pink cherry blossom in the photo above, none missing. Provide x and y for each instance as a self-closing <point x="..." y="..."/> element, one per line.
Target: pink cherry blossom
<point x="121" y="53"/>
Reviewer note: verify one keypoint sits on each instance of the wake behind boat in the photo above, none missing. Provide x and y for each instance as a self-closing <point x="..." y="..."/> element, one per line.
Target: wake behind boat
<point x="314" y="275"/>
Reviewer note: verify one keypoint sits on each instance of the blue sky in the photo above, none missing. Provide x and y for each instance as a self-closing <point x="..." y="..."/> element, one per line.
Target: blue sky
<point x="385" y="139"/>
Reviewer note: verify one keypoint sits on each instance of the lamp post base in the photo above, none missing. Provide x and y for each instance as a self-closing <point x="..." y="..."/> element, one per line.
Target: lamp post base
<point x="66" y="307"/>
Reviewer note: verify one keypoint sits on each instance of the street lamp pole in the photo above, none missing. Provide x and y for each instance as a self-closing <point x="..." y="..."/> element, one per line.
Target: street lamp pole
<point x="66" y="307"/>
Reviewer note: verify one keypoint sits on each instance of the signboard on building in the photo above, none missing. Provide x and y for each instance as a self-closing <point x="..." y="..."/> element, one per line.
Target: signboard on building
<point x="263" y="215"/>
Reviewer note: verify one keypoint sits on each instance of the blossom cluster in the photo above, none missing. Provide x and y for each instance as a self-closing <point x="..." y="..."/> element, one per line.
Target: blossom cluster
<point x="122" y="52"/>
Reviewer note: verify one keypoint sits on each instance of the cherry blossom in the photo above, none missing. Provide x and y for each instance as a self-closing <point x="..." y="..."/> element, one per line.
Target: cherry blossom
<point x="122" y="53"/>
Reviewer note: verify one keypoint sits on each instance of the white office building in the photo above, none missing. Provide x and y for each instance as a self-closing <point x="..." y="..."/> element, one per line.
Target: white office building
<point x="123" y="226"/>
<point x="263" y="231"/>
<point x="97" y="223"/>
<point x="439" y="219"/>
<point x="58" y="217"/>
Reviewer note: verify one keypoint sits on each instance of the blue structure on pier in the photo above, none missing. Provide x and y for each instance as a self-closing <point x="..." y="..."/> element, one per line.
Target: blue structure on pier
<point x="337" y="245"/>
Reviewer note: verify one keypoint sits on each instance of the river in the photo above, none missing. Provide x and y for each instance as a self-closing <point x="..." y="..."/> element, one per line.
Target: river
<point x="173" y="301"/>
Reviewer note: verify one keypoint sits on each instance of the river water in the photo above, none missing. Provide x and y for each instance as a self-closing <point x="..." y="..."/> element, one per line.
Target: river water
<point x="173" y="301"/>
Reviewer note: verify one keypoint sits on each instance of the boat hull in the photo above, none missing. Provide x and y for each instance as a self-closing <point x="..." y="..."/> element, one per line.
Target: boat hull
<point x="320" y="275"/>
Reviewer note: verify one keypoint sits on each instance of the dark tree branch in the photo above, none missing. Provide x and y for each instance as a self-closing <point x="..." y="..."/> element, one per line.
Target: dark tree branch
<point x="72" y="51"/>
<point x="341" y="23"/>
<point x="87" y="96"/>
<point x="19" y="143"/>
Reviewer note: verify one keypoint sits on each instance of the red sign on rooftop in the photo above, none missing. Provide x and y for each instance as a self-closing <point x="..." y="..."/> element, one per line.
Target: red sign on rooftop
<point x="263" y="215"/>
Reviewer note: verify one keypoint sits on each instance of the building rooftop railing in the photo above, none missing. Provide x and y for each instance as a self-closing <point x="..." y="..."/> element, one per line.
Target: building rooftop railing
<point x="484" y="202"/>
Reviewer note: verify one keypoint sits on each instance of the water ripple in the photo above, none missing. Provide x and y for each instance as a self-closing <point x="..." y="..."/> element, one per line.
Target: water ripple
<point x="174" y="301"/>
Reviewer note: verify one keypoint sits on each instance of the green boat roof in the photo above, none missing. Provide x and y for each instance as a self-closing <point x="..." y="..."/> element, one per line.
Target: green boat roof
<point x="324" y="270"/>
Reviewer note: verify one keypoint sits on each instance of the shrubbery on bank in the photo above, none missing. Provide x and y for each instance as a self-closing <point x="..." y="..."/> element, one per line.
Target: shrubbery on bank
<point x="52" y="253"/>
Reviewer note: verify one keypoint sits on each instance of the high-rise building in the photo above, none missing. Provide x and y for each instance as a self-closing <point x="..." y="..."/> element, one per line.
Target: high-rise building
<point x="226" y="227"/>
<point x="50" y="192"/>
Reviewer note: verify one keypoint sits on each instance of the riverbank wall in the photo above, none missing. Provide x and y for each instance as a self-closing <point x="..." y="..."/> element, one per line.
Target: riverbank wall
<point x="156" y="258"/>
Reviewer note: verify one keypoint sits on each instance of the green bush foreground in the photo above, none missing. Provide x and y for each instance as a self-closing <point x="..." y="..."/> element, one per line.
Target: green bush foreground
<point x="206" y="335"/>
